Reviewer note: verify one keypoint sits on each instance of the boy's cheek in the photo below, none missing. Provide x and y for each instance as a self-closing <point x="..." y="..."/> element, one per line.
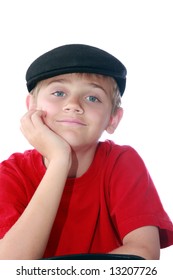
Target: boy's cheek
<point x="51" y="109"/>
<point x="48" y="119"/>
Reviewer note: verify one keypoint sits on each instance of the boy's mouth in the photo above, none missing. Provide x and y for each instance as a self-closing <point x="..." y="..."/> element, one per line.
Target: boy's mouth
<point x="72" y="121"/>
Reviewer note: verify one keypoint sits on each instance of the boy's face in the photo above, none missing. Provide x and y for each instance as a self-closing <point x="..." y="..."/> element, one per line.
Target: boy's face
<point x="78" y="107"/>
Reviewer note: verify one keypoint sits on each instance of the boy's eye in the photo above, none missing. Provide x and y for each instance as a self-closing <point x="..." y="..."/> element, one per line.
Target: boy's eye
<point x="92" y="99"/>
<point x="59" y="93"/>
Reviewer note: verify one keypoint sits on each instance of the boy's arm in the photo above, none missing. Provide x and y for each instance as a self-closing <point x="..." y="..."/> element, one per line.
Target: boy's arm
<point x="27" y="239"/>
<point x="143" y="242"/>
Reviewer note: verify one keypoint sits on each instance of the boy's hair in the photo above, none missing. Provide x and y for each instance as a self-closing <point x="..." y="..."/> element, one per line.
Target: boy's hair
<point x="114" y="90"/>
<point x="76" y="58"/>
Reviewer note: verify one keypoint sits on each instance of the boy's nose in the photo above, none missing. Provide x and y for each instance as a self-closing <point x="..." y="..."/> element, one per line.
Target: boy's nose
<point x="73" y="107"/>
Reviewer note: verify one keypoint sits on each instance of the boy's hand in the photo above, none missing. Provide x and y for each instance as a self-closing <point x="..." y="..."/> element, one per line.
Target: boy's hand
<point x="42" y="138"/>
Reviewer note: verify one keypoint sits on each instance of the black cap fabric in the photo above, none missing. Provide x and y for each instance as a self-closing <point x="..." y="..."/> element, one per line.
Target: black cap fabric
<point x="76" y="58"/>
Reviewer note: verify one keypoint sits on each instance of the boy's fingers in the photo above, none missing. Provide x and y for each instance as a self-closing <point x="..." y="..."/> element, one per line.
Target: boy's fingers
<point x="37" y="118"/>
<point x="32" y="122"/>
<point x="32" y="116"/>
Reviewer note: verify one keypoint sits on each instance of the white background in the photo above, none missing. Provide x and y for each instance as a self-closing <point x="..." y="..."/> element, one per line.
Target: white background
<point x="138" y="32"/>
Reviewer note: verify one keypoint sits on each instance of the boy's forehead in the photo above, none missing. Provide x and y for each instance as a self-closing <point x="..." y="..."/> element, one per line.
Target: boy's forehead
<point x="88" y="77"/>
<point x="93" y="80"/>
<point x="76" y="58"/>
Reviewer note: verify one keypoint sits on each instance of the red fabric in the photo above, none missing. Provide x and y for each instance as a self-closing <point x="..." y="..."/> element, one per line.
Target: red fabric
<point x="115" y="196"/>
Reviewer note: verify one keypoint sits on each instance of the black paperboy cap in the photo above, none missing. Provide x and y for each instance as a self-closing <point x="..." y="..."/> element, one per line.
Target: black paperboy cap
<point x="76" y="58"/>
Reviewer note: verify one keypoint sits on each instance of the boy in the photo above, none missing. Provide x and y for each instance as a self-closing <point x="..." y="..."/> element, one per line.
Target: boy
<point x="73" y="194"/>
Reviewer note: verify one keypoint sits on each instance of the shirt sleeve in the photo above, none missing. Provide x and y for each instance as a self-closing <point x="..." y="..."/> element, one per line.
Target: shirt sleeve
<point x="134" y="201"/>
<point x="12" y="197"/>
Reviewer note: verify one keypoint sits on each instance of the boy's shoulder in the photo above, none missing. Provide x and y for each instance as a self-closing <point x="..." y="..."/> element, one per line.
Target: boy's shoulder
<point x="124" y="155"/>
<point x="22" y="160"/>
<point x="111" y="148"/>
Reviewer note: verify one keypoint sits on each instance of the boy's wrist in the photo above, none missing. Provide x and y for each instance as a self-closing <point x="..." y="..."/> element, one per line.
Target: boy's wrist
<point x="59" y="160"/>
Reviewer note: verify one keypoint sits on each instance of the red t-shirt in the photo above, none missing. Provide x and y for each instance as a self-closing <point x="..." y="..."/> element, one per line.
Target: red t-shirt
<point x="115" y="196"/>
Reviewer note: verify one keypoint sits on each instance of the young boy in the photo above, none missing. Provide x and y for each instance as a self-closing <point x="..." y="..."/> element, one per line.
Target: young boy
<point x="72" y="194"/>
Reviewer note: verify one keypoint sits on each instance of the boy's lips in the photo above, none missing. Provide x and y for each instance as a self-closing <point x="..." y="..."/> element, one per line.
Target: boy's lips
<point x="72" y="122"/>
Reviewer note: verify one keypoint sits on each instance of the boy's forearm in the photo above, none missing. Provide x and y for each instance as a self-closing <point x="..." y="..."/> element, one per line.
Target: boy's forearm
<point x="27" y="239"/>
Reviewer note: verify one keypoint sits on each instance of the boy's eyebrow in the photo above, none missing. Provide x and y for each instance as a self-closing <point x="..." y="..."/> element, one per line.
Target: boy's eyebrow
<point x="56" y="81"/>
<point x="93" y="84"/>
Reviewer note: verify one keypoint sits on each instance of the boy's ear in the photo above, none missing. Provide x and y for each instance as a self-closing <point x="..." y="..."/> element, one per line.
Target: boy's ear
<point x="114" y="121"/>
<point x="27" y="101"/>
<point x="30" y="101"/>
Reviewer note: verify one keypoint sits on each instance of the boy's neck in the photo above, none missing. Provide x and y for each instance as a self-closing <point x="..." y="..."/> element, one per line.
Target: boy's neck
<point x="81" y="161"/>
